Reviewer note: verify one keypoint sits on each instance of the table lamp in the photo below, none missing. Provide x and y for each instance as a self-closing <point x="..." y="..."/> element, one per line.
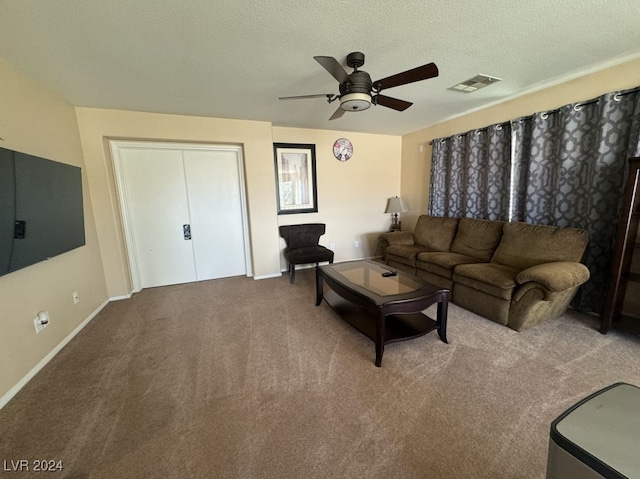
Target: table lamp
<point x="395" y="205"/>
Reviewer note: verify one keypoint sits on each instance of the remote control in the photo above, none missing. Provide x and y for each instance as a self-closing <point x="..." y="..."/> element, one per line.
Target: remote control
<point x="389" y="273"/>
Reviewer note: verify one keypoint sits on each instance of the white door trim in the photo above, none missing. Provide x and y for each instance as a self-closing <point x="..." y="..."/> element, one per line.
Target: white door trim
<point x="117" y="146"/>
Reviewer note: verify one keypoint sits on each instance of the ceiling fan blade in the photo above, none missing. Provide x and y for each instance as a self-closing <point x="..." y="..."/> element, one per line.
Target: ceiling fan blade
<point x="319" y="95"/>
<point x="332" y="66"/>
<point x="424" y="72"/>
<point x="394" y="103"/>
<point x="337" y="114"/>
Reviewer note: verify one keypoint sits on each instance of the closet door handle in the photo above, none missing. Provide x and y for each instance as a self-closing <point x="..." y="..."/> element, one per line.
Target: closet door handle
<point x="186" y="230"/>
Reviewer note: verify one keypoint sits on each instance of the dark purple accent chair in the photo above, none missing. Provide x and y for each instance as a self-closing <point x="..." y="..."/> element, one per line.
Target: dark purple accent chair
<point x="302" y="245"/>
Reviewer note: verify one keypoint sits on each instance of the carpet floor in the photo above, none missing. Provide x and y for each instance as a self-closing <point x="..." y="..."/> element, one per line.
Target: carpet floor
<point x="237" y="378"/>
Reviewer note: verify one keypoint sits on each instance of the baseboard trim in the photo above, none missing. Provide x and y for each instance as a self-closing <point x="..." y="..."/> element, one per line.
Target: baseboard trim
<point x="267" y="276"/>
<point x="120" y="298"/>
<point x="22" y="383"/>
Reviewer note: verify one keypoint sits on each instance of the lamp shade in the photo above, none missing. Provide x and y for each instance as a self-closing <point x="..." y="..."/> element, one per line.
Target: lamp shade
<point x="396" y="205"/>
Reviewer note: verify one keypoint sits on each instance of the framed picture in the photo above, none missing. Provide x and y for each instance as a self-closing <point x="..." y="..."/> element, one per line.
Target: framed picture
<point x="295" y="178"/>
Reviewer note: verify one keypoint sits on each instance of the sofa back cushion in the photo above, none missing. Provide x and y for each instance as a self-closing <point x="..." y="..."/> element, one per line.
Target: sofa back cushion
<point x="524" y="245"/>
<point x="477" y="238"/>
<point x="435" y="233"/>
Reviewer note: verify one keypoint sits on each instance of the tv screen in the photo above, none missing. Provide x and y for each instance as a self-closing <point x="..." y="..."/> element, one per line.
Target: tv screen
<point x="41" y="213"/>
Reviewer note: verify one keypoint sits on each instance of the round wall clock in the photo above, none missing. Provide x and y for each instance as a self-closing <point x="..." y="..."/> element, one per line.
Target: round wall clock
<point x="342" y="149"/>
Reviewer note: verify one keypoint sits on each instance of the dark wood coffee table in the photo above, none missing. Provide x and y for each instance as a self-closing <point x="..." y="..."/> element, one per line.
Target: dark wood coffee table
<point x="386" y="309"/>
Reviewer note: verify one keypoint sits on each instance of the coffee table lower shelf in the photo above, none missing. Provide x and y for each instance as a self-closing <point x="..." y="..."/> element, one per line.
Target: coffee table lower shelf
<point x="398" y="327"/>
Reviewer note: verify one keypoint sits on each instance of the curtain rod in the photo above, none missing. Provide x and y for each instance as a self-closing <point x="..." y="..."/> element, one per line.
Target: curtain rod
<point x="577" y="106"/>
<point x="477" y="130"/>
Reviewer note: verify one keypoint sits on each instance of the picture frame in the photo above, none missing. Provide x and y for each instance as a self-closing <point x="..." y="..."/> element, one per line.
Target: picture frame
<point x="296" y="190"/>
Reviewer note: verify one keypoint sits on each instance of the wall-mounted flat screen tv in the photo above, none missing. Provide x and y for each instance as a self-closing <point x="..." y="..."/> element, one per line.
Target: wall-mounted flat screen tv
<point x="41" y="213"/>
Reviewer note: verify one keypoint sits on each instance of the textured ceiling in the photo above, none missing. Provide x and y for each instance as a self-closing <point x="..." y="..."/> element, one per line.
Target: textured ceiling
<point x="233" y="59"/>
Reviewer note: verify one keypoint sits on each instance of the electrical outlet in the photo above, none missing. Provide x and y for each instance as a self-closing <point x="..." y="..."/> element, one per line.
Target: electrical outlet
<point x="41" y="321"/>
<point x="332" y="246"/>
<point x="76" y="298"/>
<point x="356" y="244"/>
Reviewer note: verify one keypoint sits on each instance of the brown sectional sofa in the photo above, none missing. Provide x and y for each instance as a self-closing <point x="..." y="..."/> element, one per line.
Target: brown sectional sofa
<point x="516" y="274"/>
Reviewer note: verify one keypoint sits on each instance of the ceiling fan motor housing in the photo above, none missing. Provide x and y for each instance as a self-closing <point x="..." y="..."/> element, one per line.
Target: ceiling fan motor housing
<point x="355" y="60"/>
<point x="356" y="94"/>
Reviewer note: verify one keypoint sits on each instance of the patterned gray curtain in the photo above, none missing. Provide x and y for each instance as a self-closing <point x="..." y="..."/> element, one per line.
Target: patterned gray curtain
<point x="470" y="174"/>
<point x="440" y="158"/>
<point x="446" y="176"/>
<point x="569" y="169"/>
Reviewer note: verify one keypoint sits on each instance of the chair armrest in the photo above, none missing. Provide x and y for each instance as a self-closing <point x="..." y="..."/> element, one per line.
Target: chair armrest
<point x="556" y="276"/>
<point x="397" y="237"/>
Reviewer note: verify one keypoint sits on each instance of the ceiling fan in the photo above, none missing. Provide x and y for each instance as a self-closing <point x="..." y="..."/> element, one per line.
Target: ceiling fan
<point x="358" y="92"/>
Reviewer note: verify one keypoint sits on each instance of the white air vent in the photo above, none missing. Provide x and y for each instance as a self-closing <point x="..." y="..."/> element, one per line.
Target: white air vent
<point x="475" y="83"/>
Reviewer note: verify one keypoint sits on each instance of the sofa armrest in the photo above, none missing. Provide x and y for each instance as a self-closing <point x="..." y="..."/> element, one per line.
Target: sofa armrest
<point x="398" y="238"/>
<point x="556" y="276"/>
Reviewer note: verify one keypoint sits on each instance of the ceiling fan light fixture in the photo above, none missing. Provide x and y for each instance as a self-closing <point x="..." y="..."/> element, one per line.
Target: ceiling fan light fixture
<point x="355" y="101"/>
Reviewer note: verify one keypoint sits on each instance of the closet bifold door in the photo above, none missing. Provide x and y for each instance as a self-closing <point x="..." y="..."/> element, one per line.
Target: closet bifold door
<point x="158" y="210"/>
<point x="622" y="306"/>
<point x="213" y="191"/>
<point x="184" y="212"/>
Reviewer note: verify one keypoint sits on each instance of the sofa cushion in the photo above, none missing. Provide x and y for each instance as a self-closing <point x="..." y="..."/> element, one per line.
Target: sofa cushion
<point x="435" y="233"/>
<point x="524" y="245"/>
<point x="435" y="279"/>
<point x="495" y="279"/>
<point x="397" y="237"/>
<point x="443" y="263"/>
<point x="477" y="238"/>
<point x="404" y="254"/>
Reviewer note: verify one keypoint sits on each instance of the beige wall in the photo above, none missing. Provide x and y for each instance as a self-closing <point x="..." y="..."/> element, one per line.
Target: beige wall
<point x="416" y="164"/>
<point x="34" y="121"/>
<point x="97" y="126"/>
<point x="352" y="195"/>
